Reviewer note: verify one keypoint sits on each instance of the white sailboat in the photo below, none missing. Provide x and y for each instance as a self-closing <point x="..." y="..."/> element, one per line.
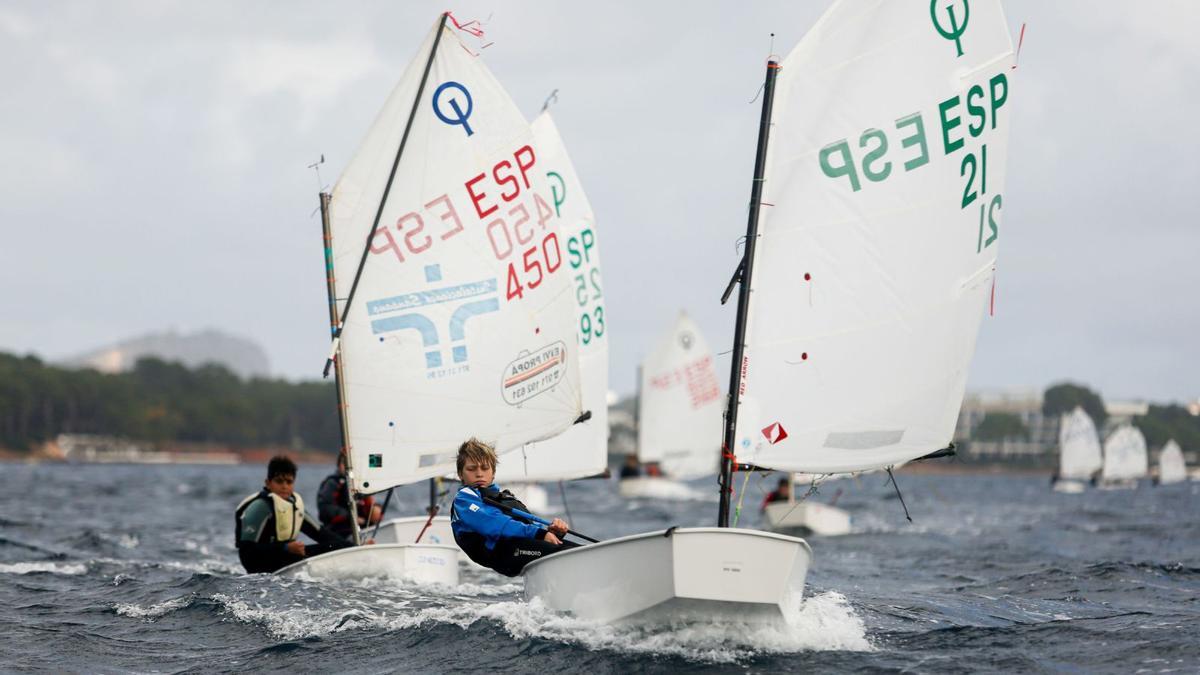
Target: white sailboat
<point x="450" y="290"/>
<point x="871" y="269"/>
<point x="806" y="516"/>
<point x="1125" y="458"/>
<point x="1079" y="452"/>
<point x="679" y="414"/>
<point x="1171" y="467"/>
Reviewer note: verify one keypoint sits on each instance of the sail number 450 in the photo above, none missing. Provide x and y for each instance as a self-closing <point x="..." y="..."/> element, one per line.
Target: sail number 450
<point x="550" y="259"/>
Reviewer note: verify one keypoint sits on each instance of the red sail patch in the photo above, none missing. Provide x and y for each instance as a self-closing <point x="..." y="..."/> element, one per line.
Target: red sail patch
<point x="774" y="433"/>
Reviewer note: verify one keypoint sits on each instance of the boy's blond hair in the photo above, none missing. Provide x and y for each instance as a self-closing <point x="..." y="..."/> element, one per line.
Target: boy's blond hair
<point x="477" y="450"/>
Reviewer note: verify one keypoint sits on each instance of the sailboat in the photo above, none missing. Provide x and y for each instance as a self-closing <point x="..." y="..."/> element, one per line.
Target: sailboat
<point x="1125" y="458"/>
<point x="806" y="516"/>
<point x="1171" y="467"/>
<point x="870" y="249"/>
<point x="679" y="408"/>
<point x="1079" y="452"/>
<point x="450" y="293"/>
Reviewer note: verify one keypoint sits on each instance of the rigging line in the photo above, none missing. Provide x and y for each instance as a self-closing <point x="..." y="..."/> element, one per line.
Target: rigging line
<point x="382" y="513"/>
<point x="737" y="511"/>
<point x="812" y="490"/>
<point x="895" y="485"/>
<point x="552" y="98"/>
<point x="362" y="262"/>
<point x="562" y="492"/>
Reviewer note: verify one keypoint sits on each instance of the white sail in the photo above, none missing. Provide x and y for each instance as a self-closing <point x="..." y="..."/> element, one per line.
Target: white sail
<point x="1079" y="447"/>
<point x="878" y="234"/>
<point x="680" y="407"/>
<point x="463" y="322"/>
<point x="1125" y="455"/>
<point x="582" y="450"/>
<point x="1171" y="468"/>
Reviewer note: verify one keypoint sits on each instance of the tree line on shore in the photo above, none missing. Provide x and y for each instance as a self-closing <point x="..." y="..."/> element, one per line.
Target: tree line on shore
<point x="162" y="402"/>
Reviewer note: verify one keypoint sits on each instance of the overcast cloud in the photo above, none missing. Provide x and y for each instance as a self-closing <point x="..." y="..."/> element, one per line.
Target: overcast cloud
<point x="153" y="169"/>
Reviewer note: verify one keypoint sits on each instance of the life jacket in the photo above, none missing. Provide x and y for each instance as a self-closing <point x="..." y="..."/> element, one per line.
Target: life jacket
<point x="475" y="544"/>
<point x="289" y="515"/>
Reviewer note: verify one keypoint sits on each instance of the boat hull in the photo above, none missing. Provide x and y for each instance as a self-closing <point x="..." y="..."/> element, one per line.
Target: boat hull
<point x="405" y="531"/>
<point x="423" y="563"/>
<point x="647" y="487"/>
<point x="807" y="517"/>
<point x="1070" y="487"/>
<point x="693" y="574"/>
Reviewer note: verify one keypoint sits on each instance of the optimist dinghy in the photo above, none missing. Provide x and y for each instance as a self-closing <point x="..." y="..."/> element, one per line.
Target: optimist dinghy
<point x="450" y="298"/>
<point x="1125" y="459"/>
<point x="861" y="292"/>
<point x="1079" y="452"/>
<point x="678" y="415"/>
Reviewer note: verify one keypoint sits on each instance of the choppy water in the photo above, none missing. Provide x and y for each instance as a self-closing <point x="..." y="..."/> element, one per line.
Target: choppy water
<point x="132" y="568"/>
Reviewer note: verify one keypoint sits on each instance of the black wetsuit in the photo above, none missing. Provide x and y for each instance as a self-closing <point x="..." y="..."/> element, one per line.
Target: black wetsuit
<point x="256" y="542"/>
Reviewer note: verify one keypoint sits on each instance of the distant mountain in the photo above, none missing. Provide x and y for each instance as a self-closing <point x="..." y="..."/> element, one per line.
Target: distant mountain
<point x="239" y="355"/>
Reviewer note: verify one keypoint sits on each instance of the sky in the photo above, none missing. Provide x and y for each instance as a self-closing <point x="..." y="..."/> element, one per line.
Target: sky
<point x="154" y="169"/>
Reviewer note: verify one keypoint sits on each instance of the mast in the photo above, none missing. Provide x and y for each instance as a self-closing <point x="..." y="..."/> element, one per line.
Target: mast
<point x="338" y="380"/>
<point x="743" y="277"/>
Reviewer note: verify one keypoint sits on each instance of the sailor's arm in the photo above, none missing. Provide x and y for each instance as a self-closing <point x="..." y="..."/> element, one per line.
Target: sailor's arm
<point x="322" y="535"/>
<point x="474" y="515"/>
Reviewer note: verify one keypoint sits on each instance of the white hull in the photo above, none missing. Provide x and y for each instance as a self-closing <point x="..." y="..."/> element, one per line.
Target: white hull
<point x="1070" y="487"/>
<point x="806" y="516"/>
<point x="647" y="487"/>
<point x="1124" y="484"/>
<point x="704" y="574"/>
<point x="405" y="531"/>
<point x="423" y="563"/>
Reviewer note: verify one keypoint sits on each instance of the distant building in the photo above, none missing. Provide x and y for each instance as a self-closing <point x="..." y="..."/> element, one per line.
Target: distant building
<point x="239" y="355"/>
<point x="1026" y="405"/>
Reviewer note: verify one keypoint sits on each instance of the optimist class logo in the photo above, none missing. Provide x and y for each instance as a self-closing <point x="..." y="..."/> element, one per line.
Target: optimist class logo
<point x="774" y="433"/>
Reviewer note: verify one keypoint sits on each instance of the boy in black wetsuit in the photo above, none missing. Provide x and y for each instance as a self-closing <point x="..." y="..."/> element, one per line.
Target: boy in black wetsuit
<point x="270" y="522"/>
<point x="487" y="534"/>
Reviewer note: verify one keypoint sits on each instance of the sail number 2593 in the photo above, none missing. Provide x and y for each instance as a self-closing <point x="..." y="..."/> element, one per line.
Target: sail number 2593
<point x="585" y="263"/>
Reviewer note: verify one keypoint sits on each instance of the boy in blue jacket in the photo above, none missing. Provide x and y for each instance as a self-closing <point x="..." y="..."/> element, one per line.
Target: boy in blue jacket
<point x="488" y="535"/>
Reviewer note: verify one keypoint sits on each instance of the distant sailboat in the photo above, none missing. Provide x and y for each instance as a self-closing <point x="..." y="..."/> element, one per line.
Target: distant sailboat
<point x="1079" y="452"/>
<point x="1171" y="467"/>
<point x="1125" y="458"/>
<point x="679" y="414"/>
<point x="449" y="291"/>
<point x="859" y="296"/>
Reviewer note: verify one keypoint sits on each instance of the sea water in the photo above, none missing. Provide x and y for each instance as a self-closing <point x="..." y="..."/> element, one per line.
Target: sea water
<point x="132" y="568"/>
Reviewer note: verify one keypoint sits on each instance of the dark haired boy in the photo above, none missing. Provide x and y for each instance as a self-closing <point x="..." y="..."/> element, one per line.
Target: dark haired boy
<point x="270" y="522"/>
<point x="487" y="534"/>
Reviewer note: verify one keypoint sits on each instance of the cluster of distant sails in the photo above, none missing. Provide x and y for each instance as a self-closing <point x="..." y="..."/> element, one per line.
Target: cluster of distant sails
<point x="1124" y="461"/>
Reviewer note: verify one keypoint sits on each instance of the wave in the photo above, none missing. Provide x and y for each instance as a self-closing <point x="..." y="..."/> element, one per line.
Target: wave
<point x="43" y="567"/>
<point x="156" y="610"/>
<point x="823" y="622"/>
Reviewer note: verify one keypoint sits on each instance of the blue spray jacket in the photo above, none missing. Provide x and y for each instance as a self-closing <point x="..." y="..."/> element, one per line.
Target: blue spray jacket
<point x="469" y="514"/>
